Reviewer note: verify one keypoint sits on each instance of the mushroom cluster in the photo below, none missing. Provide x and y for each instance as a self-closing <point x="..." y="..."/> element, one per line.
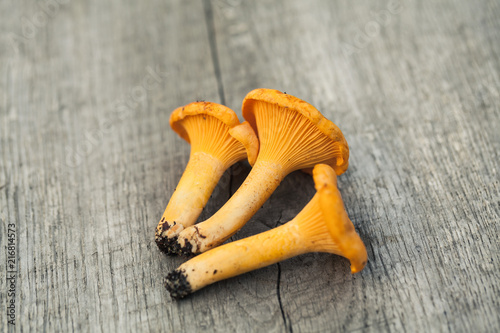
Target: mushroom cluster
<point x="292" y="135"/>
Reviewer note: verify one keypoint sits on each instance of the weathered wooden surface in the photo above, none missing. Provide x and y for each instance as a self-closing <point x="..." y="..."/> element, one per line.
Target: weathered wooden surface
<point x="84" y="178"/>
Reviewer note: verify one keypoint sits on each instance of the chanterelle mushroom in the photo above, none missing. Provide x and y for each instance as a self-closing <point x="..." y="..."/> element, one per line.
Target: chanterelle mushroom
<point x="218" y="140"/>
<point x="322" y="226"/>
<point x="293" y="135"/>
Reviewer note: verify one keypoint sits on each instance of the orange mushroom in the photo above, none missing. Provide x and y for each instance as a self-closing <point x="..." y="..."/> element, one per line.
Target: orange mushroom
<point x="218" y="140"/>
<point x="292" y="135"/>
<point x="322" y="226"/>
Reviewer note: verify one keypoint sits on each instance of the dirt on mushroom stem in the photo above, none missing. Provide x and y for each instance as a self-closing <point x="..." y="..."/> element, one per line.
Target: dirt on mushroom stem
<point x="177" y="285"/>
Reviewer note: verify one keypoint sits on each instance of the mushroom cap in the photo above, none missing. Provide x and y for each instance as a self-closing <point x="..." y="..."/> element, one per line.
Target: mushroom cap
<point x="245" y="134"/>
<point x="338" y="223"/>
<point x="221" y="112"/>
<point x="324" y="125"/>
<point x="241" y="132"/>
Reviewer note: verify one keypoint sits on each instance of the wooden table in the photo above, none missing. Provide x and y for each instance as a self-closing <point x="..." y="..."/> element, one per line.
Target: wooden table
<point x="88" y="161"/>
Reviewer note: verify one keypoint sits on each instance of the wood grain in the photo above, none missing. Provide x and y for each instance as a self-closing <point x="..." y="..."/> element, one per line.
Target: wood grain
<point x="88" y="161"/>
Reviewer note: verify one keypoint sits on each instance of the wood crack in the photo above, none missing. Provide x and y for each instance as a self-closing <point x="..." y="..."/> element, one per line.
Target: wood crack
<point x="230" y="182"/>
<point x="279" y="296"/>
<point x="288" y="326"/>
<point x="209" y="19"/>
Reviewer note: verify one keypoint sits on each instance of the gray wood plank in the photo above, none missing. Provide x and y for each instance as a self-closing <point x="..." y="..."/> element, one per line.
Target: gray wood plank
<point x="86" y="171"/>
<point x="85" y="176"/>
<point x="418" y="101"/>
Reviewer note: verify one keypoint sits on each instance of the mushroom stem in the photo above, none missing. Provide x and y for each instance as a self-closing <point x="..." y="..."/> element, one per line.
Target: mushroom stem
<point x="257" y="188"/>
<point x="305" y="233"/>
<point x="230" y="260"/>
<point x="197" y="183"/>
